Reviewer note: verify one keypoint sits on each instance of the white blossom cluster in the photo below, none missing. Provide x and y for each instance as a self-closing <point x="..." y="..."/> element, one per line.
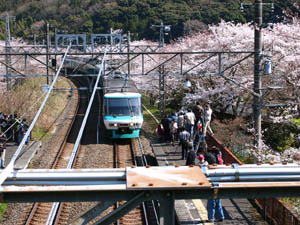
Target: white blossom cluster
<point x="282" y="42"/>
<point x="265" y="154"/>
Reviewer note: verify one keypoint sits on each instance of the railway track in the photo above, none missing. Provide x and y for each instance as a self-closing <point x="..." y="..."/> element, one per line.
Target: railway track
<point x="125" y="153"/>
<point x="39" y="213"/>
<point x="130" y="153"/>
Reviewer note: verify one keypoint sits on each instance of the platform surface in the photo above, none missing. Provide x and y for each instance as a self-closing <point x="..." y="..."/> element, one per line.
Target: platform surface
<point x="25" y="155"/>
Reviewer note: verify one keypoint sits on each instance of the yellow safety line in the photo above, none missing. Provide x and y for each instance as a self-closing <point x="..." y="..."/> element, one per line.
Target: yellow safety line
<point x="202" y="211"/>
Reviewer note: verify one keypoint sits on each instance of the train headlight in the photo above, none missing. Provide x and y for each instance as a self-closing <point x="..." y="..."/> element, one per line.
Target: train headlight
<point x="113" y="125"/>
<point x="131" y="124"/>
<point x="138" y="124"/>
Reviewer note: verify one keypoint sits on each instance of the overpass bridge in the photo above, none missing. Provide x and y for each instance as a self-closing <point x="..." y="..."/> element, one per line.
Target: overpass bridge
<point x="136" y="185"/>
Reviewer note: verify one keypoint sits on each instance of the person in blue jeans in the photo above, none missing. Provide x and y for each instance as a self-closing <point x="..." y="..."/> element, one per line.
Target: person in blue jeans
<point x="214" y="209"/>
<point x="214" y="206"/>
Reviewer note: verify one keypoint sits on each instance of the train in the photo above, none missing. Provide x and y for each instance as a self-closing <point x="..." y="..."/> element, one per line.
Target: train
<point x="122" y="106"/>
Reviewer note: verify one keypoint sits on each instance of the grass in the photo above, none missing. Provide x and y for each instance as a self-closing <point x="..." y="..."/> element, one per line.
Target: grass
<point x="293" y="204"/>
<point x="296" y="121"/>
<point x="22" y="99"/>
<point x="154" y="110"/>
<point x="3" y="207"/>
<point x="26" y="99"/>
<point x="40" y="134"/>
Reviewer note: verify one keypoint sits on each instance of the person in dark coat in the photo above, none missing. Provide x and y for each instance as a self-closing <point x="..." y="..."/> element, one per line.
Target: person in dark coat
<point x="166" y="125"/>
<point x="210" y="158"/>
<point x="23" y="127"/>
<point x="191" y="156"/>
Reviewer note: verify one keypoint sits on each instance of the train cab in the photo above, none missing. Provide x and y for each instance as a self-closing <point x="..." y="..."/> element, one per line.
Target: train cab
<point x="122" y="108"/>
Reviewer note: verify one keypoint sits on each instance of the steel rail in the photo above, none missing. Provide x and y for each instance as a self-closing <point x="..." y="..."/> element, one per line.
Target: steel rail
<point x="56" y="205"/>
<point x="87" y="113"/>
<point x="115" y="165"/>
<point x="36" y="205"/>
<point x="145" y="163"/>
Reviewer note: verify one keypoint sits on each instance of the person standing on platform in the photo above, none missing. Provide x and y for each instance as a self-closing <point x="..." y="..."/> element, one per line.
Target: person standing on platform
<point x="190" y="122"/>
<point x="207" y="119"/>
<point x="184" y="138"/>
<point x="21" y="131"/>
<point x="202" y="148"/>
<point x="198" y="111"/>
<point x="191" y="155"/>
<point x="173" y="131"/>
<point x="2" y="155"/>
<point x="214" y="206"/>
<point x="160" y="132"/>
<point x="166" y="125"/>
<point x="180" y="123"/>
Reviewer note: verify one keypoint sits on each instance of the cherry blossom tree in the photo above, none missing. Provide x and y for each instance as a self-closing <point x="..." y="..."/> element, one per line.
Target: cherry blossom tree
<point x="281" y="41"/>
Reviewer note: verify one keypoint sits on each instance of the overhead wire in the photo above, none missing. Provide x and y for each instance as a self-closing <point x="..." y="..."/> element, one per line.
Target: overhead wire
<point x="55" y="205"/>
<point x="10" y="166"/>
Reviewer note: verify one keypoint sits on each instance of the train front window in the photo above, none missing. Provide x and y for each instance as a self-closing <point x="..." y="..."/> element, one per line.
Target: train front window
<point x="123" y="106"/>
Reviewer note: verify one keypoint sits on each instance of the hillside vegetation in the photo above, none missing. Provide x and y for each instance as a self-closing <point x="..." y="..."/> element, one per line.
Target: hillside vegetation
<point x="136" y="16"/>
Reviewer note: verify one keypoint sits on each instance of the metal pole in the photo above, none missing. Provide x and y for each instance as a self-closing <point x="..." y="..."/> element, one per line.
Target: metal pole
<point x="257" y="74"/>
<point x="161" y="92"/>
<point x="47" y="56"/>
<point x="128" y="50"/>
<point x="7" y="50"/>
<point x="111" y="48"/>
<point x="55" y="33"/>
<point x="161" y="35"/>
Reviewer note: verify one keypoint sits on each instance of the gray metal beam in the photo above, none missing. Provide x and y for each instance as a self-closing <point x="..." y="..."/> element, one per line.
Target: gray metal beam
<point x="167" y="209"/>
<point x="87" y="195"/>
<point x="92" y="213"/>
<point x="126" y="53"/>
<point x="122" y="210"/>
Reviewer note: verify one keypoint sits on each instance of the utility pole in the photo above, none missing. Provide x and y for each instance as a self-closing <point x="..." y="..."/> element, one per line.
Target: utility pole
<point x="162" y="29"/>
<point x="162" y="91"/>
<point x="7" y="50"/>
<point x="47" y="56"/>
<point x="257" y="103"/>
<point x="128" y="50"/>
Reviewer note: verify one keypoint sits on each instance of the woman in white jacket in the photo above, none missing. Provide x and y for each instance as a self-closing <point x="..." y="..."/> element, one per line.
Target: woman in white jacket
<point x="207" y="119"/>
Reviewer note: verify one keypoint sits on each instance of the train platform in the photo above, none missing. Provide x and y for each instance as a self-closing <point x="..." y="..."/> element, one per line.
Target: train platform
<point x="236" y="211"/>
<point x="25" y="156"/>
